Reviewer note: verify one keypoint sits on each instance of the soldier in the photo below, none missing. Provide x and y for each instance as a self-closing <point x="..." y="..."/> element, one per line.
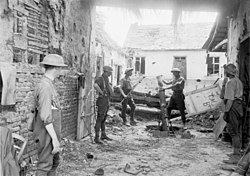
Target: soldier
<point x="233" y="110"/>
<point x="104" y="89"/>
<point x="46" y="128"/>
<point x="177" y="99"/>
<point x="125" y="88"/>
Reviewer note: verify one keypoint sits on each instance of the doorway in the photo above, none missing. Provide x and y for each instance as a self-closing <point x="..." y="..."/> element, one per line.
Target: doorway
<point x="181" y="63"/>
<point x="244" y="76"/>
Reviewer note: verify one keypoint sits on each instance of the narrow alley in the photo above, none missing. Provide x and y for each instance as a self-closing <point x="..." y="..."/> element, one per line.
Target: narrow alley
<point x="125" y="87"/>
<point x="146" y="155"/>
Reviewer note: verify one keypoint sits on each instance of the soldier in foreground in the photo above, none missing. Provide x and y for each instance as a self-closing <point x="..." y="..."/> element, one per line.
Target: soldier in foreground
<point x="233" y="111"/>
<point x="46" y="122"/>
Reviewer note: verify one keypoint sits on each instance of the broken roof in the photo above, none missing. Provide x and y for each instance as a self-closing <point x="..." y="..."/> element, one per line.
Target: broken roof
<point x="192" y="5"/>
<point x="168" y="37"/>
<point x="103" y="37"/>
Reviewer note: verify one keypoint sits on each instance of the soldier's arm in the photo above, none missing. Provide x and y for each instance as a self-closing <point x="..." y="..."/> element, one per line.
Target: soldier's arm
<point x="45" y="112"/>
<point x="120" y="88"/>
<point x="167" y="83"/>
<point x="97" y="87"/>
<point x="229" y="96"/>
<point x="181" y="82"/>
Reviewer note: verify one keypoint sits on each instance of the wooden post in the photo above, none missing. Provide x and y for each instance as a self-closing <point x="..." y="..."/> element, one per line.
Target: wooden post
<point x="86" y="91"/>
<point x="162" y="104"/>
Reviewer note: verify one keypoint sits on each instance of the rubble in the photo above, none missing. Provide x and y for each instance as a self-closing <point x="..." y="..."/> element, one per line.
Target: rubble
<point x="205" y="120"/>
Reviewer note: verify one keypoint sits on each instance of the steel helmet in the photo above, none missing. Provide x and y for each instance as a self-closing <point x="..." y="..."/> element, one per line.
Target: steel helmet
<point x="107" y="68"/>
<point x="53" y="60"/>
<point x="230" y="69"/>
<point x="175" y="70"/>
<point x="128" y="70"/>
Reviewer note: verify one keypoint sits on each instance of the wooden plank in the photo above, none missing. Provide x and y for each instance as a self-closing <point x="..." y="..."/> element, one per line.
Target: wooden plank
<point x="85" y="106"/>
<point x="203" y="100"/>
<point x="219" y="126"/>
<point x="8" y="73"/>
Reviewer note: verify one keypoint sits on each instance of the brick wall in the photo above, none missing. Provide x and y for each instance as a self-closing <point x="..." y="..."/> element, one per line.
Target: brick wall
<point x="67" y="89"/>
<point x="15" y="117"/>
<point x="31" y="29"/>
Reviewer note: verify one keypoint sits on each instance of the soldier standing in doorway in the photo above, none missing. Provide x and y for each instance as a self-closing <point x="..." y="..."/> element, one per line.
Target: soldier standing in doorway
<point x="104" y="90"/>
<point x="177" y="99"/>
<point x="233" y="110"/>
<point x="125" y="88"/>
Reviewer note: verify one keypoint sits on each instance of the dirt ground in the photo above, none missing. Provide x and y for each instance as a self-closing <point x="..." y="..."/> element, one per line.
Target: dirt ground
<point x="171" y="156"/>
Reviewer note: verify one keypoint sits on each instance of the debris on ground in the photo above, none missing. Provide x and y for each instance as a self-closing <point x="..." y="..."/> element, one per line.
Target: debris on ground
<point x="99" y="171"/>
<point x="205" y="120"/>
<point x="133" y="171"/>
<point x="186" y="135"/>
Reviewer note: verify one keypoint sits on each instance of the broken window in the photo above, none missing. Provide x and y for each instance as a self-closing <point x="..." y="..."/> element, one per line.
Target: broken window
<point x="140" y="65"/>
<point x="213" y="66"/>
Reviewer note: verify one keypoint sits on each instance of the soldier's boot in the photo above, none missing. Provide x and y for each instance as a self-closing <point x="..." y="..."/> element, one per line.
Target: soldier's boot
<point x="236" y="155"/>
<point x="133" y="122"/>
<point x="232" y="160"/>
<point x="104" y="136"/>
<point x="124" y="120"/>
<point x="97" y="138"/>
<point x="98" y="141"/>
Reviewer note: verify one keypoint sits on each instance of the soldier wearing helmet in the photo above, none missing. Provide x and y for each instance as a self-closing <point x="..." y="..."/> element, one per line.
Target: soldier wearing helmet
<point x="177" y="99"/>
<point x="233" y="110"/>
<point x="125" y="88"/>
<point x="104" y="90"/>
<point x="46" y="127"/>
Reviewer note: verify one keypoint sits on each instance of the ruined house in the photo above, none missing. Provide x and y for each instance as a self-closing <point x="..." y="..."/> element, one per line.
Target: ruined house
<point x="158" y="48"/>
<point x="29" y="30"/>
<point x="108" y="53"/>
<point x="231" y="33"/>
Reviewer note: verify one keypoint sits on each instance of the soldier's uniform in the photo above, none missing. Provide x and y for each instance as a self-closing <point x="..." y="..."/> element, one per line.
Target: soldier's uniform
<point x="48" y="111"/>
<point x="177" y="99"/>
<point x="126" y="86"/>
<point x="102" y="104"/>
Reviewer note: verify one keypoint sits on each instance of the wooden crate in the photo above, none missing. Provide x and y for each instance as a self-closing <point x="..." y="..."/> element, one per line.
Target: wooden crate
<point x="202" y="100"/>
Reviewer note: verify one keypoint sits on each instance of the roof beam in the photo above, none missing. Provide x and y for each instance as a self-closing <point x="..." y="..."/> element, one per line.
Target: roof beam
<point x="189" y="5"/>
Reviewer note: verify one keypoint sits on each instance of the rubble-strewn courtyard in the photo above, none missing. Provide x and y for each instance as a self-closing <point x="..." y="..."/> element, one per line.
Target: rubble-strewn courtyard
<point x="144" y="154"/>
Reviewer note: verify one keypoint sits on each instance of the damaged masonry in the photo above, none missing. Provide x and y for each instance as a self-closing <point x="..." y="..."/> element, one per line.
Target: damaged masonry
<point x="155" y="125"/>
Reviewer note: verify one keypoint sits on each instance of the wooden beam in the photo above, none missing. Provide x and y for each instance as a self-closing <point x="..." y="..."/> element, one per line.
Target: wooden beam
<point x="192" y="5"/>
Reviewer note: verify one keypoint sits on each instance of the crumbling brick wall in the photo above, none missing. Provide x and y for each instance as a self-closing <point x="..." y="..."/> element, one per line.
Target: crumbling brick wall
<point x="31" y="29"/>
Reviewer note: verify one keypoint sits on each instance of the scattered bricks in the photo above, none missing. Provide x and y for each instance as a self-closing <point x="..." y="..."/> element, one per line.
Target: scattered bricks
<point x="15" y="129"/>
<point x="23" y="130"/>
<point x="13" y="119"/>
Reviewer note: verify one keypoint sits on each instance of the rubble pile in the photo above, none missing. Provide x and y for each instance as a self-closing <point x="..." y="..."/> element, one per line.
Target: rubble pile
<point x="206" y="120"/>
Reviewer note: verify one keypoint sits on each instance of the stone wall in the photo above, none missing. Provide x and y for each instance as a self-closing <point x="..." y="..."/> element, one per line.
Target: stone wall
<point x="31" y="29"/>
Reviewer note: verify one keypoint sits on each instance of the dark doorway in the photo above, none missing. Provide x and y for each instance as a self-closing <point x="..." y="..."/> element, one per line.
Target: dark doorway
<point x="181" y="63"/>
<point x="244" y="76"/>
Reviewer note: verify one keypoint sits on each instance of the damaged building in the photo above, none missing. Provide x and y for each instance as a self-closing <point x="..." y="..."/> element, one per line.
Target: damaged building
<point x="33" y="28"/>
<point x="30" y="30"/>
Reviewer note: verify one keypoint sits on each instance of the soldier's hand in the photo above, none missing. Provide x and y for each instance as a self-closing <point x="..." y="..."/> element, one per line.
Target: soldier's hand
<point x="56" y="146"/>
